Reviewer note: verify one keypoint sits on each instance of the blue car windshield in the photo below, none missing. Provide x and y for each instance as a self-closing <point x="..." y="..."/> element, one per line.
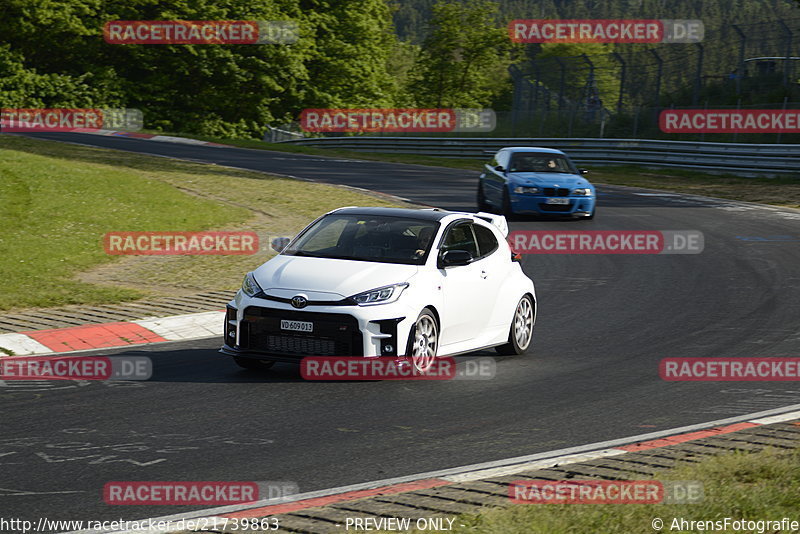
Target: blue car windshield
<point x="540" y="162"/>
<point x="367" y="238"/>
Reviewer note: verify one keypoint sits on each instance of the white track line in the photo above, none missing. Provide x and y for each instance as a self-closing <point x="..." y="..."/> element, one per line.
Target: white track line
<point x="482" y="470"/>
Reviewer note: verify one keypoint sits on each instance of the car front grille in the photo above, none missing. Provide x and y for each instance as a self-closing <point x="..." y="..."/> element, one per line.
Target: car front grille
<point x="300" y="345"/>
<point x="555" y="207"/>
<point x="334" y="334"/>
<point x="553" y="192"/>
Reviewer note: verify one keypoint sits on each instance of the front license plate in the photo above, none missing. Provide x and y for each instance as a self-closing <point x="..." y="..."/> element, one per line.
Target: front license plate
<point x="297" y="326"/>
<point x="557" y="201"/>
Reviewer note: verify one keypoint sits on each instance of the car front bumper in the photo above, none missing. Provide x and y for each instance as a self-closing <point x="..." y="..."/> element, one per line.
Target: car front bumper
<point x="535" y="204"/>
<point x="253" y="330"/>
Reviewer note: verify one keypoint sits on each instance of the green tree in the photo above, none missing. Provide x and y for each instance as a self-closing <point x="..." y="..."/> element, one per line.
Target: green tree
<point x="458" y="62"/>
<point x="350" y="47"/>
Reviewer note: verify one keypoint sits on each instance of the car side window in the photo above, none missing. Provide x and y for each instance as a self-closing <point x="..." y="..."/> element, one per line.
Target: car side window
<point x="460" y="237"/>
<point x="487" y="243"/>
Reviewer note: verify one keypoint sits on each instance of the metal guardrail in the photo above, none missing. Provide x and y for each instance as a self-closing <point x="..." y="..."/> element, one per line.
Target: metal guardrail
<point x="277" y="135"/>
<point x="734" y="158"/>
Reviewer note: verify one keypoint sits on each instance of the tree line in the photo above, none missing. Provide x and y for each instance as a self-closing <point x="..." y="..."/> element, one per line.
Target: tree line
<point x="350" y="54"/>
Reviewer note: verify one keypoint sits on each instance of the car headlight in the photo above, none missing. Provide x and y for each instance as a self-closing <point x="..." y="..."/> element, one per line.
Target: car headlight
<point x="381" y="295"/>
<point x="249" y="285"/>
<point x="586" y="192"/>
<point x="521" y="189"/>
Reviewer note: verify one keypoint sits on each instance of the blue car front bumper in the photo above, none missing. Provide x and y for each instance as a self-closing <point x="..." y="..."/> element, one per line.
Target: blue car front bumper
<point x="538" y="204"/>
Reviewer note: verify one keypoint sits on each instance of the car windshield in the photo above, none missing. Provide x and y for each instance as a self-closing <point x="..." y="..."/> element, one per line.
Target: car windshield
<point x="367" y="238"/>
<point x="539" y="162"/>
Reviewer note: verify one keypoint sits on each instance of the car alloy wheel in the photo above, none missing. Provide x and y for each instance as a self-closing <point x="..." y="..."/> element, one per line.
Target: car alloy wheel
<point x="523" y="323"/>
<point x="425" y="342"/>
<point x="521" y="331"/>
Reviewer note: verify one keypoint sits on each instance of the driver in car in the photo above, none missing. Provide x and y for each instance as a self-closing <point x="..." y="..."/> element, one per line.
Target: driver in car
<point x="423" y="240"/>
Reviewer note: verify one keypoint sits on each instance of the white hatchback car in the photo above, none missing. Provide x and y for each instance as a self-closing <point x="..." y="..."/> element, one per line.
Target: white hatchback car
<point x="414" y="284"/>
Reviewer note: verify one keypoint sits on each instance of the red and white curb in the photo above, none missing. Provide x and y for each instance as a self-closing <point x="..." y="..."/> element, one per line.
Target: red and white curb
<point x="473" y="472"/>
<point x="108" y="335"/>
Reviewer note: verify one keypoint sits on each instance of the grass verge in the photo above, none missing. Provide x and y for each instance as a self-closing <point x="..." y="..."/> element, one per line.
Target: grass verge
<point x="58" y="200"/>
<point x="756" y="486"/>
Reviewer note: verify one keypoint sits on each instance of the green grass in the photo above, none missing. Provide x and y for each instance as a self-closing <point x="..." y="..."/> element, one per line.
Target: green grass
<point x="755" y="486"/>
<point x="54" y="211"/>
<point x="784" y="191"/>
<point x="58" y="200"/>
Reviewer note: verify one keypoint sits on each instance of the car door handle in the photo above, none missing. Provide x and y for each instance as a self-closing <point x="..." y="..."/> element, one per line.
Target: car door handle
<point x="483" y="274"/>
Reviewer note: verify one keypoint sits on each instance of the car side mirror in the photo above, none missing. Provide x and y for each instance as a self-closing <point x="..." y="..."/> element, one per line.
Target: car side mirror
<point x="583" y="171"/>
<point x="499" y="168"/>
<point x="453" y="258"/>
<point x="279" y="243"/>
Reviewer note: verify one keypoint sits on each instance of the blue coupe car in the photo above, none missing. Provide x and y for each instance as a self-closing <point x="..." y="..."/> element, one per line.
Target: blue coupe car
<point x="535" y="181"/>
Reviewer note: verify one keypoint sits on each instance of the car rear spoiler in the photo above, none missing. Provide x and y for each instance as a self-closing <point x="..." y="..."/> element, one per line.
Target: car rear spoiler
<point x="498" y="220"/>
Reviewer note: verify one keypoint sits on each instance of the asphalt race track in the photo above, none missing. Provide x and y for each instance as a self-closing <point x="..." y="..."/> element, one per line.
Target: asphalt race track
<point x="605" y="322"/>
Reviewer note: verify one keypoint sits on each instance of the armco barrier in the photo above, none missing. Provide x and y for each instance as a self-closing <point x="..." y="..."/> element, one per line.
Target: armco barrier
<point x="734" y="158"/>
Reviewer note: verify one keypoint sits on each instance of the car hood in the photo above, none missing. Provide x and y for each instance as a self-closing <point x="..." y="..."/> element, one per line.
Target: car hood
<point x="549" y="179"/>
<point x="322" y="278"/>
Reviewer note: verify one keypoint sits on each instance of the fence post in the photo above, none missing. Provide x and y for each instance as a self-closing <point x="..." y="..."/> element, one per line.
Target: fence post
<point x="698" y="74"/>
<point x="516" y="97"/>
<point x="658" y="76"/>
<point x="740" y="69"/>
<point x="660" y="61"/>
<point x="621" y="79"/>
<point x="787" y="62"/>
<point x="561" y="83"/>
<point x="573" y="109"/>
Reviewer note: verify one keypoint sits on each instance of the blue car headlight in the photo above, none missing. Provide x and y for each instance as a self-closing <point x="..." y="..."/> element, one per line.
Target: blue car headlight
<point x="523" y="190"/>
<point x="249" y="285"/>
<point x="381" y="295"/>
<point x="582" y="192"/>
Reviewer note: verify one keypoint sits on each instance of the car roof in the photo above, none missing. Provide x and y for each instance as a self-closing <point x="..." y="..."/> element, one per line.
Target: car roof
<point x="422" y="214"/>
<point x="533" y="149"/>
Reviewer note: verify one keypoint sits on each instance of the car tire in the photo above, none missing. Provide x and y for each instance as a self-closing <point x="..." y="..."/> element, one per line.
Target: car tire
<point x="481" y="200"/>
<point x="521" y="331"/>
<point x="423" y="342"/>
<point x="507" y="211"/>
<point x="255" y="365"/>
